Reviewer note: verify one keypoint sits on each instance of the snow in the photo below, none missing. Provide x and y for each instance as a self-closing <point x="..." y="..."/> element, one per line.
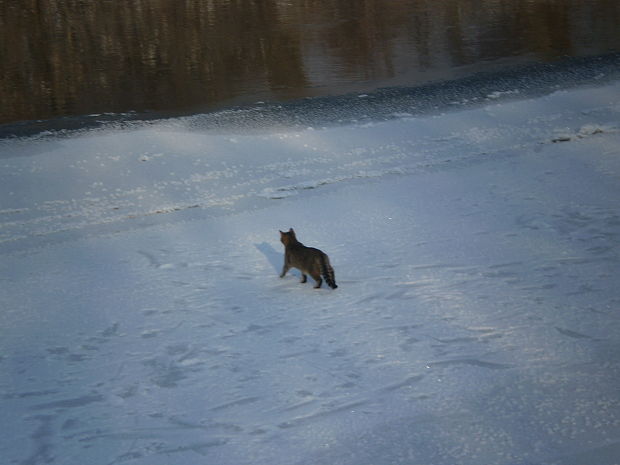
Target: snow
<point x="475" y="322"/>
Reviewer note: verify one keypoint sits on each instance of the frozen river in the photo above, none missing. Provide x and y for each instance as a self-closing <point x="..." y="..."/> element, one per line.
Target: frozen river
<point x="142" y="320"/>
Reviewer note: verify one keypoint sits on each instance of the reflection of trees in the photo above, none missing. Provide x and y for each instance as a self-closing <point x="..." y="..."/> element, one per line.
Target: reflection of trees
<point x="75" y="56"/>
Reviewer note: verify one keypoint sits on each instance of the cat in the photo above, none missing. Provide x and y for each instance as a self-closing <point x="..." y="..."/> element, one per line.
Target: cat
<point x="308" y="260"/>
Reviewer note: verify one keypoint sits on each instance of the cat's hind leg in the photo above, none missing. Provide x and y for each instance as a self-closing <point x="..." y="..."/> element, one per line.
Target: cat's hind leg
<point x="318" y="279"/>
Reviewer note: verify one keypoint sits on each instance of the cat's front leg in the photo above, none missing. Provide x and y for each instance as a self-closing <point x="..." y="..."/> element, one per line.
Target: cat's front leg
<point x="285" y="269"/>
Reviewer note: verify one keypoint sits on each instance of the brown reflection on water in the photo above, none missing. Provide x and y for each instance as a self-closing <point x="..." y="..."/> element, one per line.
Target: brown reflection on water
<point x="60" y="57"/>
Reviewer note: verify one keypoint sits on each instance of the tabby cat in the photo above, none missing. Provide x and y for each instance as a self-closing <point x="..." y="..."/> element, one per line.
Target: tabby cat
<point x="308" y="260"/>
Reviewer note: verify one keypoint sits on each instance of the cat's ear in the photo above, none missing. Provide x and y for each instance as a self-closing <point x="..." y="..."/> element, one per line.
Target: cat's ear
<point x="291" y="230"/>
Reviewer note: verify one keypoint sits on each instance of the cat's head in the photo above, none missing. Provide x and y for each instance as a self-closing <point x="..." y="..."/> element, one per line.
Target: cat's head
<point x="288" y="237"/>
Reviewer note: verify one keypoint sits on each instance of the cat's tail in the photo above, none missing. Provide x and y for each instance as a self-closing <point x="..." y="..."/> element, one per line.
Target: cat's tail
<point x="328" y="272"/>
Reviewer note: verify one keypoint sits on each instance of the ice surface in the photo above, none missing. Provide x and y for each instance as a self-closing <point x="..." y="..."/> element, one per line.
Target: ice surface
<point x="476" y="320"/>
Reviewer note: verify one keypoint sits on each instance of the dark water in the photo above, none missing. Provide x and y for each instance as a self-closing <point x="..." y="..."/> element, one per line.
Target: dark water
<point x="78" y="57"/>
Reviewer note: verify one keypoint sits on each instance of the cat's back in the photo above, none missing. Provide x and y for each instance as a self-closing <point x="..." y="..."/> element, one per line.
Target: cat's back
<point x="304" y="255"/>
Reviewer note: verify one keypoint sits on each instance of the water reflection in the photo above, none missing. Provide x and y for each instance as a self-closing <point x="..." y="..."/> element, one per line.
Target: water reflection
<point x="63" y="57"/>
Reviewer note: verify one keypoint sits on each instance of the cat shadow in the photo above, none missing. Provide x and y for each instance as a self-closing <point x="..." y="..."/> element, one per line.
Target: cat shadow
<point x="275" y="258"/>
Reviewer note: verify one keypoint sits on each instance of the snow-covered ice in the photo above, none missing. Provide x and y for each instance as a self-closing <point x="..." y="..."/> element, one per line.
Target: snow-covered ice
<point x="142" y="319"/>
